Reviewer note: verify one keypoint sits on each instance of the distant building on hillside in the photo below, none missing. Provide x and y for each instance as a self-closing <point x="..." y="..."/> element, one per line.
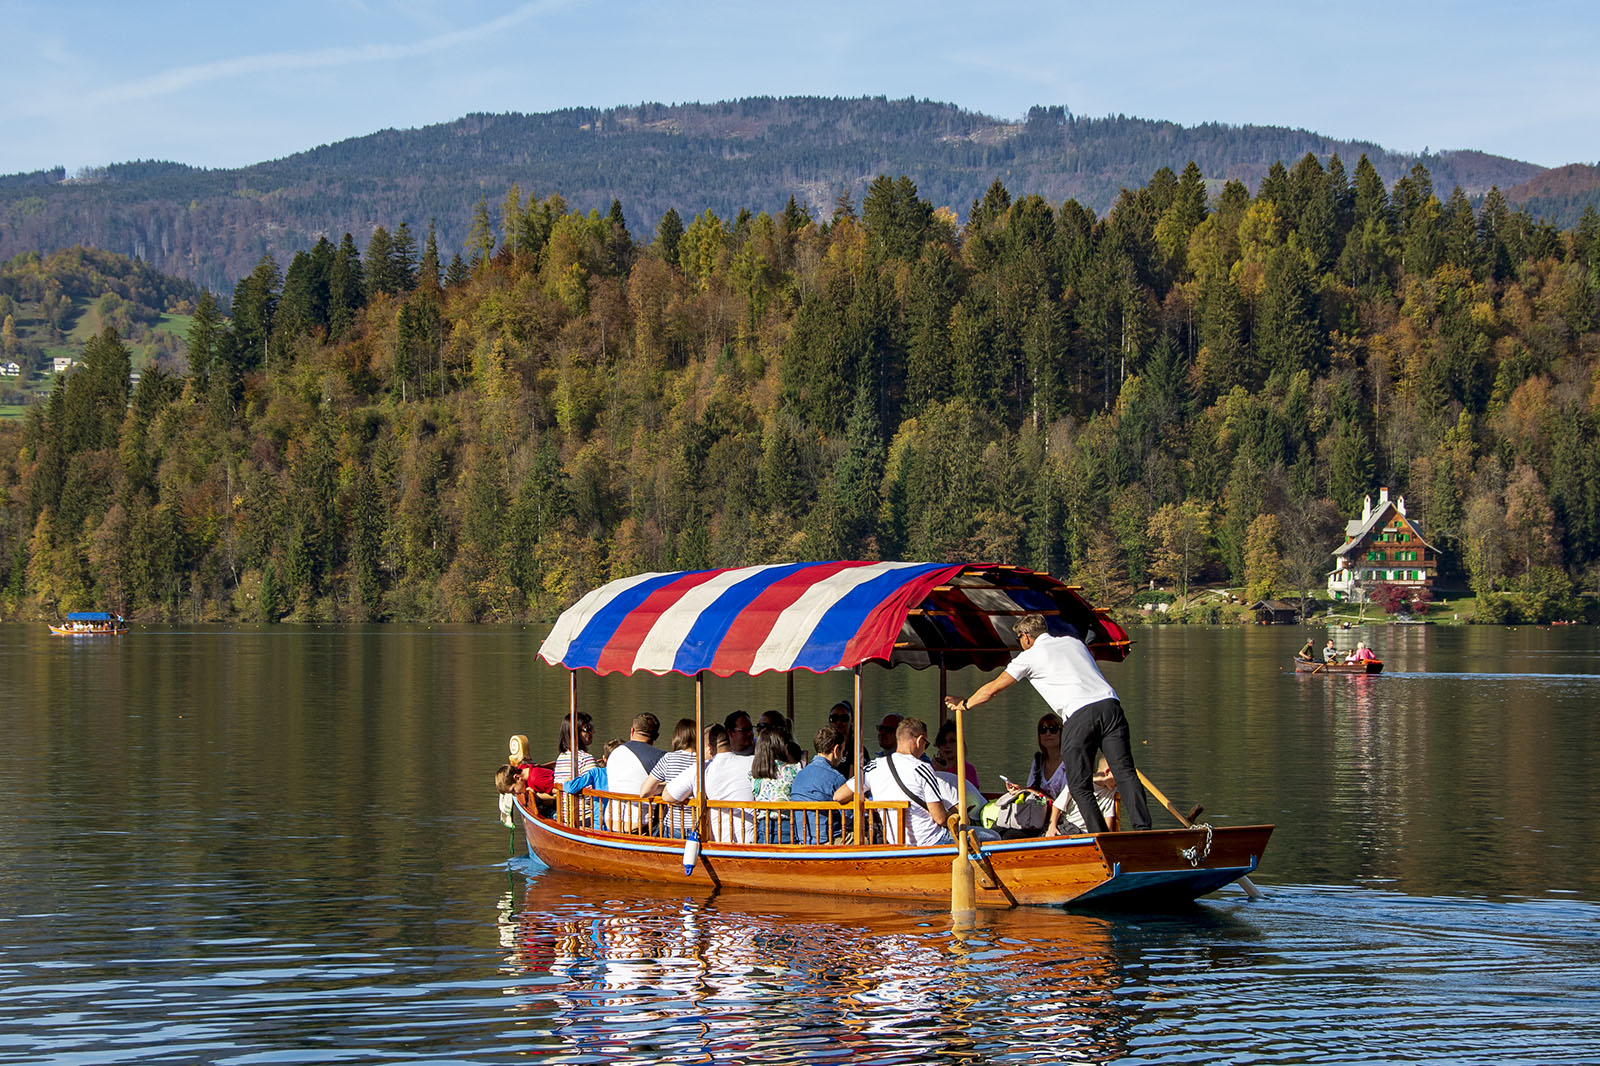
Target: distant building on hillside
<point x="63" y="363"/>
<point x="10" y="370"/>
<point x="1383" y="545"/>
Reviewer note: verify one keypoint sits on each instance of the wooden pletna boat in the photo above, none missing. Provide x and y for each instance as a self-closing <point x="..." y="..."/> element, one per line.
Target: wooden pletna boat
<point x="1365" y="666"/>
<point x="841" y="616"/>
<point x="90" y="624"/>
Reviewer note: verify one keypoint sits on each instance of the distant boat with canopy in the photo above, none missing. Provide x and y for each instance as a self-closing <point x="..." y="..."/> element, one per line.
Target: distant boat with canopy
<point x="842" y="616"/>
<point x="90" y="624"/>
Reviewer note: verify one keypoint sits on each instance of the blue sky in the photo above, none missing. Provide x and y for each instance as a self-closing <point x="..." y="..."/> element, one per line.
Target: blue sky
<point x="224" y="84"/>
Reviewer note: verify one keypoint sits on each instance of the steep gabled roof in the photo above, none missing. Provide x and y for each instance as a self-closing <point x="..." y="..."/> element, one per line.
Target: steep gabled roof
<point x="1357" y="530"/>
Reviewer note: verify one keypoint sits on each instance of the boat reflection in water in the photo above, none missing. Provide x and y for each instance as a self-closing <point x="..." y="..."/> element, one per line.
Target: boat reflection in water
<point x="654" y="975"/>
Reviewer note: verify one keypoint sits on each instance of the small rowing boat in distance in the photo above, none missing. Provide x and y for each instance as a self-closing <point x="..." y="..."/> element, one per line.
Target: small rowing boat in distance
<point x="1367" y="666"/>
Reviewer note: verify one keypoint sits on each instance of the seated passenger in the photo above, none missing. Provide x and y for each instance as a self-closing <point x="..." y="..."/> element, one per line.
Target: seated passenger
<point x="1067" y="817"/>
<point x="727" y="777"/>
<point x="670" y="765"/>
<point x="902" y="775"/>
<point x="818" y="782"/>
<point x="536" y="787"/>
<point x="628" y="767"/>
<point x="594" y="777"/>
<point x="563" y="765"/>
<point x="1330" y="654"/>
<point x="771" y="779"/>
<point x="1048" y="777"/>
<point x="887" y="739"/>
<point x="507" y="782"/>
<point x="741" y="733"/>
<point x="944" y="755"/>
<point x="1306" y="650"/>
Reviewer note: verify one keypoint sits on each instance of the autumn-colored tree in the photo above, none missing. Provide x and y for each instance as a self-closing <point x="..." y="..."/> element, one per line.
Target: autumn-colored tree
<point x="1263" y="559"/>
<point x="1180" y="536"/>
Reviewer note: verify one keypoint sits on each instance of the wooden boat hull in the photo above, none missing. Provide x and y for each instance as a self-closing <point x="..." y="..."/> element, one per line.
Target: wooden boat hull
<point x="1370" y="666"/>
<point x="1109" y="869"/>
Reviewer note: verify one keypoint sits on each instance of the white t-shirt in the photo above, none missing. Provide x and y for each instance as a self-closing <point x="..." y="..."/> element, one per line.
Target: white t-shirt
<point x="1064" y="672"/>
<point x="624" y="774"/>
<point x="727" y="778"/>
<point x="921" y="779"/>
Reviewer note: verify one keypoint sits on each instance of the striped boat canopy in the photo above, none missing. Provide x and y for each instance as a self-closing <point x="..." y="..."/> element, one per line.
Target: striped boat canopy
<point x="818" y="617"/>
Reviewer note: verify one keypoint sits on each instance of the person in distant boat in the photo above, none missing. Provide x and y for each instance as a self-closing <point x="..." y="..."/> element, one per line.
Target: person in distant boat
<point x="1362" y="653"/>
<point x="563" y="767"/>
<point x="629" y="766"/>
<point x="1330" y="654"/>
<point x="1306" y="651"/>
<point x="1064" y="673"/>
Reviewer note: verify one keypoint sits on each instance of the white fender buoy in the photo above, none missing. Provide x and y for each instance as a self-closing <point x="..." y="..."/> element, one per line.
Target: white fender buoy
<point x="691" y="852"/>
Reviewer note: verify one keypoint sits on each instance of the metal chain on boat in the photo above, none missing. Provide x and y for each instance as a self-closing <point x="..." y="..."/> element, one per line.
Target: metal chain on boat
<point x="1195" y="855"/>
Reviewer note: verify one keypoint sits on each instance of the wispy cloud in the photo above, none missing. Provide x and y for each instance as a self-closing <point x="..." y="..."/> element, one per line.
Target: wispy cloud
<point x="181" y="79"/>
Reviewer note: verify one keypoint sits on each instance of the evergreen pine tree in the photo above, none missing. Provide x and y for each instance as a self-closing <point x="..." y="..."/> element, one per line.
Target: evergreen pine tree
<point x="205" y="330"/>
<point x="428" y="269"/>
<point x="668" y="236"/>
<point x="380" y="263"/>
<point x="347" y="287"/>
<point x="403" y="259"/>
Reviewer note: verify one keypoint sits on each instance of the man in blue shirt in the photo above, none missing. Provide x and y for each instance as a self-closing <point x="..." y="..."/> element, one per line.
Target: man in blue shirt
<point x="818" y="782"/>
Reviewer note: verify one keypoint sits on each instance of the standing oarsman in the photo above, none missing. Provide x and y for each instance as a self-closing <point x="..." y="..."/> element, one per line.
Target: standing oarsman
<point x="1064" y="672"/>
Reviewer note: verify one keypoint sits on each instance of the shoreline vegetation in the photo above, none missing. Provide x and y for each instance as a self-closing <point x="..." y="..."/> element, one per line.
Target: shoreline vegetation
<point x="1197" y="388"/>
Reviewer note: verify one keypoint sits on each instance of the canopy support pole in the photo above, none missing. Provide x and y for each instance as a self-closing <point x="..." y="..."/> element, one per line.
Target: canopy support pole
<point x="858" y="758"/>
<point x="700" y="754"/>
<point x="572" y="731"/>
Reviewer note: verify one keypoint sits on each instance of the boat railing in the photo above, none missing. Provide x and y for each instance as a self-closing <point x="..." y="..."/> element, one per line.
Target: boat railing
<point x="734" y="821"/>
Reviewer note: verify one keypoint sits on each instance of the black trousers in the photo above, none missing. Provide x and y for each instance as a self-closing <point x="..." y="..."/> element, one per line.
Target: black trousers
<point x="1101" y="727"/>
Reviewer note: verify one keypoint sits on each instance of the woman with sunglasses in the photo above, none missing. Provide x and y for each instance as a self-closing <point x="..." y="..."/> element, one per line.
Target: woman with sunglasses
<point x="1048" y="777"/>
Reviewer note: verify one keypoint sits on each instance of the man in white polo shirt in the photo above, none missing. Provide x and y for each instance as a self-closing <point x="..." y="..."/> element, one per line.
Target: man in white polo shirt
<point x="1064" y="672"/>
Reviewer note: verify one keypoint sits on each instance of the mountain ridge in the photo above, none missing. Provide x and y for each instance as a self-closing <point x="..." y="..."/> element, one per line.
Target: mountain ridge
<point x="212" y="225"/>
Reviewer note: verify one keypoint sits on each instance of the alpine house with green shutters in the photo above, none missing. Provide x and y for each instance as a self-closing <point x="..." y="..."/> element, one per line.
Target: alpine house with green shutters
<point x="1382" y="546"/>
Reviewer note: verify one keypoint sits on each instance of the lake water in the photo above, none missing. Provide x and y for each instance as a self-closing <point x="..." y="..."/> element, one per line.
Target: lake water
<point x="278" y="845"/>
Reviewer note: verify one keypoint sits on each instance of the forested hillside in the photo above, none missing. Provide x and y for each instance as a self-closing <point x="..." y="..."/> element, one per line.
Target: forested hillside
<point x="1191" y="387"/>
<point x="212" y="225"/>
<point x="51" y="305"/>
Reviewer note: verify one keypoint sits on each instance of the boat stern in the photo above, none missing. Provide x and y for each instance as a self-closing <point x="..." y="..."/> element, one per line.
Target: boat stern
<point x="1172" y="865"/>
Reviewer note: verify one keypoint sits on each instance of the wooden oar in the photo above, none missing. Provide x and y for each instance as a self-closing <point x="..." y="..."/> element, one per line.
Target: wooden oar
<point x="1244" y="882"/>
